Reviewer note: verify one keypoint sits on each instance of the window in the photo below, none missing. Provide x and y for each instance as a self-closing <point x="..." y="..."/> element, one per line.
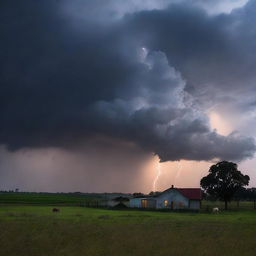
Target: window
<point x="165" y="203"/>
<point x="144" y="203"/>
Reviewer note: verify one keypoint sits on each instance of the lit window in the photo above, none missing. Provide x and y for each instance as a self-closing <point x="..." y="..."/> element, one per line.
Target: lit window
<point x="165" y="203"/>
<point x="144" y="203"/>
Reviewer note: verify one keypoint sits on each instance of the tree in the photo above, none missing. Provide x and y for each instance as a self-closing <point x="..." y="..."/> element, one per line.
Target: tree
<point x="137" y="194"/>
<point x="223" y="181"/>
<point x="154" y="193"/>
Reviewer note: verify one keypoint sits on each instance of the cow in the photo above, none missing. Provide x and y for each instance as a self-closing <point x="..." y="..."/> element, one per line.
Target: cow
<point x="55" y="210"/>
<point x="215" y="210"/>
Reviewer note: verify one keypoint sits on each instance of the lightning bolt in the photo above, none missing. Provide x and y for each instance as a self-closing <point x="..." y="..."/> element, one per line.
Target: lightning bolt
<point x="178" y="172"/>
<point x="158" y="173"/>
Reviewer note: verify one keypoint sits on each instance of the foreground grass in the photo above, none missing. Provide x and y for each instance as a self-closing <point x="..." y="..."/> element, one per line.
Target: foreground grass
<point x="76" y="231"/>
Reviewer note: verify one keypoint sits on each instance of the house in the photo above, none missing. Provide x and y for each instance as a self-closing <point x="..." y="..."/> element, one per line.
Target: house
<point x="143" y="202"/>
<point x="172" y="198"/>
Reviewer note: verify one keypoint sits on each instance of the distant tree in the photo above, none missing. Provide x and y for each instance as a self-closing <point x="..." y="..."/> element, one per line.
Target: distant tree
<point x="245" y="194"/>
<point x="137" y="194"/>
<point x="121" y="199"/>
<point x="154" y="193"/>
<point x="223" y="181"/>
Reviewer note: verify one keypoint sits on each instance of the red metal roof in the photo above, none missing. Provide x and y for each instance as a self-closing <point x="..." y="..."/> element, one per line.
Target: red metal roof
<point x="191" y="193"/>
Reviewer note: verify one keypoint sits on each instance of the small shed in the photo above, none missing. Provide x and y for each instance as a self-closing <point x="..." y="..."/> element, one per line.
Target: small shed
<point x="116" y="201"/>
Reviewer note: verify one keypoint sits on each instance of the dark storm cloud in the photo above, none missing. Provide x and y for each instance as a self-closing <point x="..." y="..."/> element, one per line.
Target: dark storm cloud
<point x="67" y="77"/>
<point x="209" y="51"/>
<point x="196" y="44"/>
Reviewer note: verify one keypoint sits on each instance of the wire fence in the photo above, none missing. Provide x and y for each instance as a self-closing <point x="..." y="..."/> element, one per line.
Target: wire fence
<point x="233" y="205"/>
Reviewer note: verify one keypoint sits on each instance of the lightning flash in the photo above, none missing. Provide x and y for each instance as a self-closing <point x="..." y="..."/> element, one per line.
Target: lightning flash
<point x="158" y="173"/>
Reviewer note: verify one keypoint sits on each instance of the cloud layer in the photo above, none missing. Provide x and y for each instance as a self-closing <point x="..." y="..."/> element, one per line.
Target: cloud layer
<point x="71" y="71"/>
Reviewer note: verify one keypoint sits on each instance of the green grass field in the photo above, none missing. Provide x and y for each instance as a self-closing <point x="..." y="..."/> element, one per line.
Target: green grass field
<point x="45" y="198"/>
<point x="77" y="231"/>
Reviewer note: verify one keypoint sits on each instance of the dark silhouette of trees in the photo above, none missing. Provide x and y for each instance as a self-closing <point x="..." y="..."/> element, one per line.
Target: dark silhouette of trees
<point x="223" y="181"/>
<point x="154" y="193"/>
<point x="248" y="194"/>
<point x="137" y="194"/>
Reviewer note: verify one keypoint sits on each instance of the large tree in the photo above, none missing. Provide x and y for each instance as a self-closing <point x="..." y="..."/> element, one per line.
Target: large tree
<point x="223" y="180"/>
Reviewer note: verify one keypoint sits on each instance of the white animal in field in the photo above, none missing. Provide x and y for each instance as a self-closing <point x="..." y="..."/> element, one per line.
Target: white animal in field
<point x="215" y="210"/>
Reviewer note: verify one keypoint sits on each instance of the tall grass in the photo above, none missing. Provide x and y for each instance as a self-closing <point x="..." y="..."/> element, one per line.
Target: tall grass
<point x="78" y="231"/>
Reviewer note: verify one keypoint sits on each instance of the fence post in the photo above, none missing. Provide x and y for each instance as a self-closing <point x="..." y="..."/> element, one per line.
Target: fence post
<point x="254" y="204"/>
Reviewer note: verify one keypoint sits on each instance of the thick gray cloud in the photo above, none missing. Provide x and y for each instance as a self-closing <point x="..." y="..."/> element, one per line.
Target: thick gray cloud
<point x="145" y="76"/>
<point x="213" y="53"/>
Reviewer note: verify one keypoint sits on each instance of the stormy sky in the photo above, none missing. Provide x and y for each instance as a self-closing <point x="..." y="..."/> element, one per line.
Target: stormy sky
<point x="93" y="93"/>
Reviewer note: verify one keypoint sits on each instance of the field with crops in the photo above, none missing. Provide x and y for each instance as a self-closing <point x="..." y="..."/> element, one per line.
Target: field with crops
<point x="77" y="231"/>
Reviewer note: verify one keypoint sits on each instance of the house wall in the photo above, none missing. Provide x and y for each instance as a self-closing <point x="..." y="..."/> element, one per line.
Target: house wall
<point x="195" y="204"/>
<point x="136" y="202"/>
<point x="151" y="203"/>
<point x="179" y="201"/>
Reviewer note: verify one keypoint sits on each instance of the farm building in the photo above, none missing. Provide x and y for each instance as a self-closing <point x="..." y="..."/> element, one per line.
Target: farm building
<point x="119" y="201"/>
<point x="172" y="198"/>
